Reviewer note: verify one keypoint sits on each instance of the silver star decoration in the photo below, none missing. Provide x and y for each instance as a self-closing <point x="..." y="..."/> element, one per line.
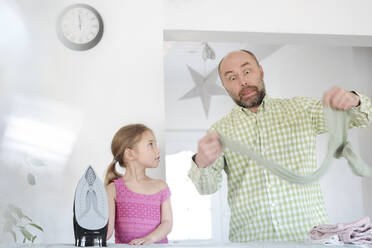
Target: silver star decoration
<point x="205" y="88"/>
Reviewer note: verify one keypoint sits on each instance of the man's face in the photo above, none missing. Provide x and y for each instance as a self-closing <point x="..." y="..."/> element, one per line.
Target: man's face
<point x="242" y="78"/>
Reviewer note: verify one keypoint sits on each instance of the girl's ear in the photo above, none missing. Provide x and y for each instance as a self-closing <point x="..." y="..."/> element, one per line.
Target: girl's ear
<point x="128" y="154"/>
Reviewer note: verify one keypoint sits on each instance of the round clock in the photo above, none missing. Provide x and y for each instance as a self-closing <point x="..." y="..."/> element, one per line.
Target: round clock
<point x="79" y="27"/>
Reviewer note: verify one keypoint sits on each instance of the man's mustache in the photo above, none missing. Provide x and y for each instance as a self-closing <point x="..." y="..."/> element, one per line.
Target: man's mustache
<point x="255" y="88"/>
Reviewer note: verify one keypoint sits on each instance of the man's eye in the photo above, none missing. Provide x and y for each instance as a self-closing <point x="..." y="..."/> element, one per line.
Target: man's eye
<point x="232" y="78"/>
<point x="247" y="71"/>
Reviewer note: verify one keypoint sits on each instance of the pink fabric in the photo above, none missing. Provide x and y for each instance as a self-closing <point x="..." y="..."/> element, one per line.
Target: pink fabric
<point x="137" y="214"/>
<point x="359" y="232"/>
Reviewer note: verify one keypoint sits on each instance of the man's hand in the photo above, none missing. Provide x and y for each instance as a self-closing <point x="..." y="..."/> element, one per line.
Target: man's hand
<point x="209" y="149"/>
<point x="340" y="99"/>
<point x="141" y="241"/>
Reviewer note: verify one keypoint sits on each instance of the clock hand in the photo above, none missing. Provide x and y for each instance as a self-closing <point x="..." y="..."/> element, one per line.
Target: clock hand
<point x="79" y="22"/>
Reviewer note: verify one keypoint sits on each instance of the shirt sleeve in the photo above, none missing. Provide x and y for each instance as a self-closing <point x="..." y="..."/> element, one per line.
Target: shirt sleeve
<point x="207" y="180"/>
<point x="165" y="195"/>
<point x="361" y="115"/>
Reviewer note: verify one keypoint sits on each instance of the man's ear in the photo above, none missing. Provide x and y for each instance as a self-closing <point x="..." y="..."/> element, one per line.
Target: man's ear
<point x="262" y="71"/>
<point x="223" y="84"/>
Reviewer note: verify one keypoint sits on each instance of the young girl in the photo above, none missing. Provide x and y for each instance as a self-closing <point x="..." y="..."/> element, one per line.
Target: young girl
<point x="139" y="206"/>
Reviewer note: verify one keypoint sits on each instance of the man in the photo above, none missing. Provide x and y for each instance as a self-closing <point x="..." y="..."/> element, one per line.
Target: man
<point x="264" y="207"/>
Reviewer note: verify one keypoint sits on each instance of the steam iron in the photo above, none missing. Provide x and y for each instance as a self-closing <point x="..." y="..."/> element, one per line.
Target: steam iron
<point x="90" y="211"/>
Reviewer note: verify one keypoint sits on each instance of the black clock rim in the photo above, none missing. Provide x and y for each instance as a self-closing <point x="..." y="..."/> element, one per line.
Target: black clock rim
<point x="84" y="46"/>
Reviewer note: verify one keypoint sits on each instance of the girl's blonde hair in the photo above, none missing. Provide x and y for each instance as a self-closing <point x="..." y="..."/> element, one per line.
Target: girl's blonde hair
<point x="125" y="137"/>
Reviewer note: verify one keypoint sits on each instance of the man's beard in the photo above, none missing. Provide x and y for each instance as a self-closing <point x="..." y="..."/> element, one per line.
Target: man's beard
<point x="256" y="101"/>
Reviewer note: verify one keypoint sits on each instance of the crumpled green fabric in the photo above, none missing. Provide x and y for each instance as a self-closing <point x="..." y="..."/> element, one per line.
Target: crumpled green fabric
<point x="338" y="146"/>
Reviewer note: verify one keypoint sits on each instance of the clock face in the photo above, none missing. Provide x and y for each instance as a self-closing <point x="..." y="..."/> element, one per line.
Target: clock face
<point x="80" y="27"/>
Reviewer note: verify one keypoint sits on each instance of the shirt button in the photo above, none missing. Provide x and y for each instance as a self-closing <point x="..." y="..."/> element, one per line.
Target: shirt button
<point x="273" y="204"/>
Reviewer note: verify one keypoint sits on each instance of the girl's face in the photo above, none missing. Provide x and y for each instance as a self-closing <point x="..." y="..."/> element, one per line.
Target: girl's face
<point x="146" y="151"/>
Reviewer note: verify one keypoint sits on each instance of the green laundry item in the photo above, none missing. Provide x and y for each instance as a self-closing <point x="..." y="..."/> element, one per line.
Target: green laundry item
<point x="338" y="146"/>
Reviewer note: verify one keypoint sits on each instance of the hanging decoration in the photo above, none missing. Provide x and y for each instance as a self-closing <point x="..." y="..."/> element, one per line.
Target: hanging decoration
<point x="205" y="88"/>
<point x="208" y="52"/>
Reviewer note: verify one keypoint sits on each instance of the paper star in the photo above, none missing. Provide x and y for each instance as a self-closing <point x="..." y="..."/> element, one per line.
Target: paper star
<point x="205" y="88"/>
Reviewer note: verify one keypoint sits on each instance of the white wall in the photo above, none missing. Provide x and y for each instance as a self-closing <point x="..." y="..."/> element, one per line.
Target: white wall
<point x="363" y="65"/>
<point x="270" y="16"/>
<point x="88" y="95"/>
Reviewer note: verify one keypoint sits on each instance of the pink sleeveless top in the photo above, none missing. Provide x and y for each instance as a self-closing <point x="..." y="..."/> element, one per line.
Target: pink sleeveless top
<point x="136" y="214"/>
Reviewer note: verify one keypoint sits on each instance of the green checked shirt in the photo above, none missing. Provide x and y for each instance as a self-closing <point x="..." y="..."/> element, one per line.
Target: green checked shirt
<point x="264" y="207"/>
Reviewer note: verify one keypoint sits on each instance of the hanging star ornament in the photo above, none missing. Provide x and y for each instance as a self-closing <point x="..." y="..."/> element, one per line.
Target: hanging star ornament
<point x="205" y="87"/>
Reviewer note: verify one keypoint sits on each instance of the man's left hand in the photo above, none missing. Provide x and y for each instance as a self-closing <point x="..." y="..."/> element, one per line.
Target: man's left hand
<point x="340" y="99"/>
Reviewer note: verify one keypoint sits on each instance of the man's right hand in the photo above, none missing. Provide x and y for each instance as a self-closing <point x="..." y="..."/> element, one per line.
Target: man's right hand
<point x="209" y="149"/>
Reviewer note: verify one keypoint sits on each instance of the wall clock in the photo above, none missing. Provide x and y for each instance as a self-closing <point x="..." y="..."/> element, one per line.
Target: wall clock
<point x="79" y="27"/>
